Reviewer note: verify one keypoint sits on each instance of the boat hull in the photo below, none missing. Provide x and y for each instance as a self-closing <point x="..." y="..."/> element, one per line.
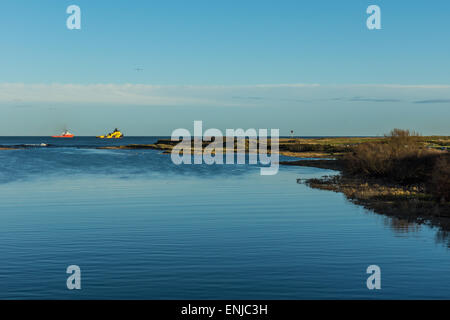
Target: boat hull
<point x="66" y="136"/>
<point x="103" y="137"/>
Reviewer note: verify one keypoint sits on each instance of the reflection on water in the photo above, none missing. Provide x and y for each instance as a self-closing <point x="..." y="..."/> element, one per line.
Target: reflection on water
<point x="142" y="228"/>
<point x="401" y="225"/>
<point x="443" y="236"/>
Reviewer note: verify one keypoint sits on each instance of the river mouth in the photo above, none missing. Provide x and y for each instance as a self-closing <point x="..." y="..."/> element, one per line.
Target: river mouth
<point x="142" y="228"/>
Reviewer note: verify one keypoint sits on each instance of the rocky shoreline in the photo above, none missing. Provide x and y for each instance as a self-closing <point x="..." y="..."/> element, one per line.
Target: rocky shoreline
<point x="411" y="202"/>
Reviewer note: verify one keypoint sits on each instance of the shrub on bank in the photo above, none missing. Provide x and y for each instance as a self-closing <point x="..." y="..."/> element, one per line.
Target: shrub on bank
<point x="386" y="159"/>
<point x="440" y="181"/>
<point x="402" y="159"/>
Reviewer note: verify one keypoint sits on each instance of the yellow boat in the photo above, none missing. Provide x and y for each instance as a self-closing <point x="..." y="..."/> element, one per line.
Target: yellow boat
<point x="116" y="134"/>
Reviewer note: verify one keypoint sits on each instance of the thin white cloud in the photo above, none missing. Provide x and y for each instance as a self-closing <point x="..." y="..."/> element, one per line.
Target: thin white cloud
<point x="405" y="86"/>
<point x="217" y="95"/>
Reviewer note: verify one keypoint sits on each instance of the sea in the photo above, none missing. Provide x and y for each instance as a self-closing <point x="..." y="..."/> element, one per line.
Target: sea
<point x="140" y="227"/>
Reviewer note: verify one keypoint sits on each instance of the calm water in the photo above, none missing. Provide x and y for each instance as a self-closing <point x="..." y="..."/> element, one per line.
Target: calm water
<point x="142" y="228"/>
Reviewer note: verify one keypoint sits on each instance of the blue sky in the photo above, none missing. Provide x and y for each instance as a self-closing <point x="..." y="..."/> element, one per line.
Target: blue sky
<point x="311" y="66"/>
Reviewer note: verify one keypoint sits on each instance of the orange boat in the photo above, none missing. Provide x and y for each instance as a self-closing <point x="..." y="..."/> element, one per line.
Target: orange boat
<point x="65" y="134"/>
